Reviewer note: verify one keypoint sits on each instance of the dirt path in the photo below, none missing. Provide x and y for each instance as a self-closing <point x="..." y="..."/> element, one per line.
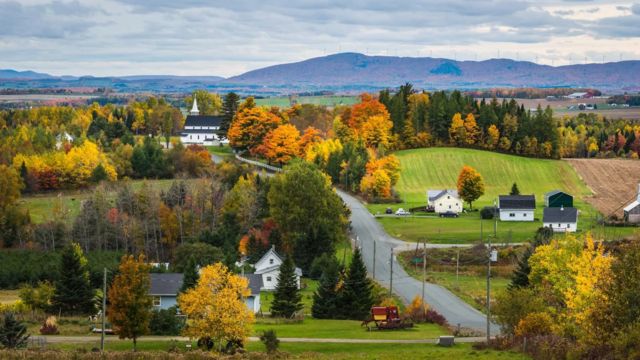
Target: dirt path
<point x="614" y="182"/>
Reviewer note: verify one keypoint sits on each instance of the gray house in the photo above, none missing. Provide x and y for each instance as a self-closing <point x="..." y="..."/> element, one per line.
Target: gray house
<point x="632" y="211"/>
<point x="166" y="286"/>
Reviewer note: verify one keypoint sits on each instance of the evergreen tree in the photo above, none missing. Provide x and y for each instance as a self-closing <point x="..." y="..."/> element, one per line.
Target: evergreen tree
<point x="13" y="334"/>
<point x="230" y="105"/>
<point x="356" y="299"/>
<point x="326" y="297"/>
<point x="74" y="294"/>
<point x="514" y="189"/>
<point x="190" y="277"/>
<point x="520" y="277"/>
<point x="286" y="299"/>
<point x="99" y="174"/>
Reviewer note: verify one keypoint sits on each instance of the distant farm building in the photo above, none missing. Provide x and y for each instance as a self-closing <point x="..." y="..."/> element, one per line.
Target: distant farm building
<point x="632" y="211"/>
<point x="557" y="198"/>
<point x="517" y="207"/>
<point x="268" y="267"/>
<point x="560" y="219"/>
<point x="579" y="95"/>
<point x="444" y="201"/>
<point x="201" y="129"/>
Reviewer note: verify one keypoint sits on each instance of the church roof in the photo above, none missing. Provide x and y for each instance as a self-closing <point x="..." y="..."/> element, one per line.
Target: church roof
<point x="203" y="120"/>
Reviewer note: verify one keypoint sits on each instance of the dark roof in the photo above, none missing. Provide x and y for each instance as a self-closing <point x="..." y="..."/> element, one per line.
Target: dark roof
<point x="436" y="194"/>
<point x="560" y="215"/>
<point x="255" y="283"/>
<point x="165" y="283"/>
<point x="515" y="202"/>
<point x="555" y="192"/>
<point x="198" y="131"/>
<point x="203" y="120"/>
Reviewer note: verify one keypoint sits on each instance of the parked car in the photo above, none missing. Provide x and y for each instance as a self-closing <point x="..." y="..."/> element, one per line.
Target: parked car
<point x="388" y="211"/>
<point x="449" y="214"/>
<point x="402" y="211"/>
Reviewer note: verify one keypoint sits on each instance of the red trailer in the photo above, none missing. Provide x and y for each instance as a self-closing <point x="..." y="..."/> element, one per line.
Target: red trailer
<point x="386" y="318"/>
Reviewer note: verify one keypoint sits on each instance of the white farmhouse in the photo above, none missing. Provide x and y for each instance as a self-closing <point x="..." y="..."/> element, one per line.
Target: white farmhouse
<point x="201" y="129"/>
<point x="562" y="219"/>
<point x="517" y="207"/>
<point x="269" y="267"/>
<point x="443" y="201"/>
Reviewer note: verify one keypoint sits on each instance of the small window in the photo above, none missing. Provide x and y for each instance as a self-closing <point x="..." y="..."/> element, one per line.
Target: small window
<point x="512" y="215"/>
<point x="270" y="261"/>
<point x="448" y="197"/>
<point x="268" y="278"/>
<point x="559" y="225"/>
<point x="449" y="206"/>
<point x="190" y="136"/>
<point x="440" y="204"/>
<point x="157" y="301"/>
<point x="525" y="214"/>
<point x="568" y="226"/>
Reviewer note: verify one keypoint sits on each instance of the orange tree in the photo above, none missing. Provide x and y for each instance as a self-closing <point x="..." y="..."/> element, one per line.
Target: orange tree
<point x="130" y="304"/>
<point x="281" y="144"/>
<point x="250" y="125"/>
<point x="215" y="308"/>
<point x="470" y="185"/>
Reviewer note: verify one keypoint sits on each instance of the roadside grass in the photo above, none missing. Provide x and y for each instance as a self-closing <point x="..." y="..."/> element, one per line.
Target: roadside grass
<point x="344" y="329"/>
<point x="337" y="351"/>
<point x="40" y="206"/>
<point x="438" y="168"/>
<point x="8" y="296"/>
<point x="67" y="326"/>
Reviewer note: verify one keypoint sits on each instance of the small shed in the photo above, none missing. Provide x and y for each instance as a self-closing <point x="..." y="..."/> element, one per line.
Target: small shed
<point x="632" y="211"/>
<point x="557" y="198"/>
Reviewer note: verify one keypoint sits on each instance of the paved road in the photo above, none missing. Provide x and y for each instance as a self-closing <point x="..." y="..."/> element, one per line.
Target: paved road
<point x="442" y="300"/>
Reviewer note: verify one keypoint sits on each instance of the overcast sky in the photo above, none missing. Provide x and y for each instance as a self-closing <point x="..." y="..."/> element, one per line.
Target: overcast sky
<point x="229" y="37"/>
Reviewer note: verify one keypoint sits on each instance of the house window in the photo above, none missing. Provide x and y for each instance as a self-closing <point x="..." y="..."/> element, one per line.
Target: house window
<point x="525" y="214"/>
<point x="559" y="225"/>
<point x="190" y="136"/>
<point x="157" y="301"/>
<point x="449" y="206"/>
<point x="270" y="261"/>
<point x="512" y="215"/>
<point x="440" y="204"/>
<point x="448" y="197"/>
<point x="568" y="226"/>
<point x="268" y="278"/>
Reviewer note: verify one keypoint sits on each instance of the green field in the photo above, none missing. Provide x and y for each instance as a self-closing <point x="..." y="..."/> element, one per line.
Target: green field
<point x="328" y="100"/>
<point x="438" y="168"/>
<point x="308" y="288"/>
<point x="40" y="206"/>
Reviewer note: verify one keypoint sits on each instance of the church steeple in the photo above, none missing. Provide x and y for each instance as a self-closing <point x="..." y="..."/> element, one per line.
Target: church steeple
<point x="194" y="109"/>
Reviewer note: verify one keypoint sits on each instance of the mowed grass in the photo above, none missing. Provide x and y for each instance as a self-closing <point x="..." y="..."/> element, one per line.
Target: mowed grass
<point x="344" y="329"/>
<point x="308" y="287"/>
<point x="40" y="206"/>
<point x="438" y="168"/>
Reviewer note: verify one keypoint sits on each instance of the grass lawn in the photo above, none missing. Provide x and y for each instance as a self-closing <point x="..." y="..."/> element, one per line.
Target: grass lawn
<point x="223" y="150"/>
<point x="308" y="288"/>
<point x="344" y="329"/>
<point x="332" y="351"/>
<point x="41" y="205"/>
<point x="8" y="296"/>
<point x="438" y="168"/>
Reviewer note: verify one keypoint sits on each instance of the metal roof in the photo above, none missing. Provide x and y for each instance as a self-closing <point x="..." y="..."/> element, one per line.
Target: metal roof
<point x="255" y="283"/>
<point x="203" y="120"/>
<point x="165" y="283"/>
<point x="560" y="215"/>
<point x="433" y="195"/>
<point x="517" y="202"/>
<point x="632" y="206"/>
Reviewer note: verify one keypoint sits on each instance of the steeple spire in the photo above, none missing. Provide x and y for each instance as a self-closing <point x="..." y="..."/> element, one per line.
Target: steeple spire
<point x="194" y="109"/>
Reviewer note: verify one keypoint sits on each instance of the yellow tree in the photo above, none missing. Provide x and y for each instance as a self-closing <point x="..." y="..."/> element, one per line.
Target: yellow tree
<point x="215" y="308"/>
<point x="281" y="144"/>
<point x="493" y="136"/>
<point x="457" y="131"/>
<point x="471" y="129"/>
<point x="470" y="185"/>
<point x="129" y="301"/>
<point x="376" y="131"/>
<point x="376" y="184"/>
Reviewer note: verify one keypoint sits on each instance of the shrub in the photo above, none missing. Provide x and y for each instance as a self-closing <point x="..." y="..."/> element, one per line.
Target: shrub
<point x="434" y="317"/>
<point x="166" y="322"/>
<point x="417" y="310"/>
<point x="487" y="212"/>
<point x="39" y="297"/>
<point x="548" y="347"/>
<point x="50" y="326"/>
<point x="534" y="324"/>
<point x="270" y="340"/>
<point x="13" y="333"/>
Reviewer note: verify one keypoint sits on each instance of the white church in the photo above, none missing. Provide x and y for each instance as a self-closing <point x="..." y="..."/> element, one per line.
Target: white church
<point x="201" y="129"/>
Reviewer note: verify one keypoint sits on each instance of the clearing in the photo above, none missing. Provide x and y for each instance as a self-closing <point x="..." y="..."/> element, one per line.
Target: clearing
<point x="614" y="182"/>
<point x="438" y="168"/>
<point x="326" y="100"/>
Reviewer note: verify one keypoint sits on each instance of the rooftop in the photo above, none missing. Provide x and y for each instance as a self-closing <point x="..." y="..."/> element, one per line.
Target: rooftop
<point x="165" y="283"/>
<point x="517" y="202"/>
<point x="560" y="215"/>
<point x="203" y="120"/>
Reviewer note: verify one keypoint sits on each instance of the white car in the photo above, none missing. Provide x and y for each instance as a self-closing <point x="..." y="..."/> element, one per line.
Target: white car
<point x="402" y="211"/>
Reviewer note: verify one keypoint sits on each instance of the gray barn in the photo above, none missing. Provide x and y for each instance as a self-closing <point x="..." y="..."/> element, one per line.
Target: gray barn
<point x="632" y="211"/>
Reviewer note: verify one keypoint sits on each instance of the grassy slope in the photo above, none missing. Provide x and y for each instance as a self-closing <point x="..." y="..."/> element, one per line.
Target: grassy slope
<point x="437" y="168"/>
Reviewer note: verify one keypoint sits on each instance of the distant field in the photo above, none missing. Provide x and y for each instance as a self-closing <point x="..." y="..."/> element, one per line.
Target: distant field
<point x="560" y="107"/>
<point x="438" y="168"/>
<point x="609" y="197"/>
<point x="330" y="101"/>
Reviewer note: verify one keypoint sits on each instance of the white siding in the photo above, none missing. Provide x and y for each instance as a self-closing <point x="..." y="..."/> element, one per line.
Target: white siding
<point x="270" y="280"/>
<point x="447" y="203"/>
<point x="516" y="215"/>
<point x="562" y="227"/>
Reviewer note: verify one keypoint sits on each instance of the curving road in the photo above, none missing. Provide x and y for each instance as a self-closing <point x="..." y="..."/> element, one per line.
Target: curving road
<point x="367" y="229"/>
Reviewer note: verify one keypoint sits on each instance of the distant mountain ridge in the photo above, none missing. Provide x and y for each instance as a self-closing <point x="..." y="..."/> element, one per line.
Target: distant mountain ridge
<point x="14" y="74"/>
<point x="348" y="69"/>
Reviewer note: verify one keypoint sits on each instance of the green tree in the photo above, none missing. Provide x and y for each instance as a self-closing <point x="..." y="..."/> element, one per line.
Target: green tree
<point x="230" y="105"/>
<point x="10" y="186"/>
<point x="514" y="189"/>
<point x="99" y="174"/>
<point x="520" y="276"/>
<point x="286" y="299"/>
<point x="13" y="333"/>
<point x="74" y="294"/>
<point x="129" y="301"/>
<point x="356" y="299"/>
<point x="208" y="103"/>
<point x="191" y="276"/>
<point x="470" y="185"/>
<point x="305" y="206"/>
<point x="326" y="298"/>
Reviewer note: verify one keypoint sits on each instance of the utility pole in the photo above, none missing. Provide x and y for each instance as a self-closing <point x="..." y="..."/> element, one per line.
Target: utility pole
<point x="495" y="218"/>
<point x="458" y="267"/>
<point x="374" y="259"/>
<point x="391" y="273"/>
<point x="104" y="309"/>
<point x="424" y="267"/>
<point x="489" y="290"/>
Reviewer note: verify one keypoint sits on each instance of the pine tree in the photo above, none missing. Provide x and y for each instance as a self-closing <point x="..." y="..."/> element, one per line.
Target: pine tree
<point x="191" y="276"/>
<point x="520" y="277"/>
<point x="99" y="174"/>
<point x="230" y="105"/>
<point x="326" y="297"/>
<point x="286" y="299"/>
<point x="514" y="189"/>
<point x="356" y="299"/>
<point x="13" y="334"/>
<point x="74" y="294"/>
